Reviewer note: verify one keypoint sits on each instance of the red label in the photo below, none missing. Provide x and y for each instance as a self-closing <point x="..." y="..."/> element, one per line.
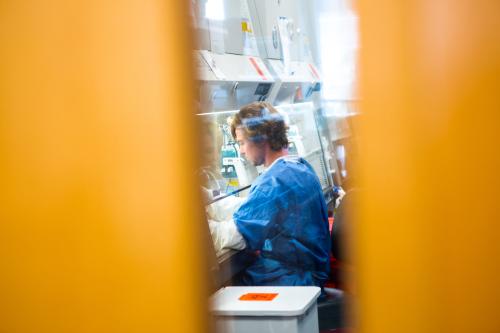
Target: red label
<point x="257" y="68"/>
<point x="314" y="72"/>
<point x="258" y="297"/>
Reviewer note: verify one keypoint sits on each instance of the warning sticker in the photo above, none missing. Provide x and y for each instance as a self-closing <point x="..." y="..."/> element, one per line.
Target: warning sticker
<point x="255" y="64"/>
<point x="314" y="71"/>
<point x="258" y="297"/>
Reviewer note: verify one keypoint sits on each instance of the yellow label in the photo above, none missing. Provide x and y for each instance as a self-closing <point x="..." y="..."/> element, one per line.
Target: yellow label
<point x="233" y="182"/>
<point x="245" y="26"/>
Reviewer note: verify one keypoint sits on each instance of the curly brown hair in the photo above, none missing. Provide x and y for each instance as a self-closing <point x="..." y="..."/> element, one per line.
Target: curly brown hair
<point x="261" y="122"/>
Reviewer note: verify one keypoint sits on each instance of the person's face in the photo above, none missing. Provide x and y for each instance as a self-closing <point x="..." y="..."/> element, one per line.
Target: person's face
<point x="251" y="151"/>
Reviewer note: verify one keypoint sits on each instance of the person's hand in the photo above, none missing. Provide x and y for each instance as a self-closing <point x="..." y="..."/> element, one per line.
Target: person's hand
<point x="223" y="210"/>
<point x="225" y="235"/>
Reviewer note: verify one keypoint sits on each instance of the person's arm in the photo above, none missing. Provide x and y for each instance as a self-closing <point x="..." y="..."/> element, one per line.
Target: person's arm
<point x="223" y="210"/>
<point x="258" y="214"/>
<point x="226" y="235"/>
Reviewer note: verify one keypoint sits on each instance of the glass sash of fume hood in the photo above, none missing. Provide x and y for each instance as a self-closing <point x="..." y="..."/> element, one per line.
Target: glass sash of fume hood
<point x="304" y="138"/>
<point x="225" y="170"/>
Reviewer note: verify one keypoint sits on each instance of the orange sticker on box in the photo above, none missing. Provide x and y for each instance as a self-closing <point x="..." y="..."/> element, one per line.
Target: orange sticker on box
<point x="258" y="297"/>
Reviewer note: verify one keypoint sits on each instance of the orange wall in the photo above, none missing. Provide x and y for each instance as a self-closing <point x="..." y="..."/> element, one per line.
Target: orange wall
<point x="427" y="245"/>
<point x="97" y="227"/>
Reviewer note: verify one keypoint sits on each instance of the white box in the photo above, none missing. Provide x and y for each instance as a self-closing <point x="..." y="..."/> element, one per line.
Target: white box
<point x="292" y="310"/>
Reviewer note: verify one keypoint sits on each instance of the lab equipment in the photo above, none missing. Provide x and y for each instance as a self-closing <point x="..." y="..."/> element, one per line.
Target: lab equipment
<point x="223" y="196"/>
<point x="295" y="146"/>
<point x="228" y="159"/>
<point x="265" y="309"/>
<point x="236" y="170"/>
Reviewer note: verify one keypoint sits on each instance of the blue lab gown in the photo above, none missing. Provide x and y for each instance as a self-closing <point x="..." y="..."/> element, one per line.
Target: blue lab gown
<point x="285" y="219"/>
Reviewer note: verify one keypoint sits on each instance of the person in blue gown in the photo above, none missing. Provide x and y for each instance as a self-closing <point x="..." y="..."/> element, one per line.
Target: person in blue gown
<point x="284" y="218"/>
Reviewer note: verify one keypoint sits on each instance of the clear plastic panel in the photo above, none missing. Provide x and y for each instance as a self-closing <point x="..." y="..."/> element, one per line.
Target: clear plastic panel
<point x="304" y="139"/>
<point x="224" y="170"/>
